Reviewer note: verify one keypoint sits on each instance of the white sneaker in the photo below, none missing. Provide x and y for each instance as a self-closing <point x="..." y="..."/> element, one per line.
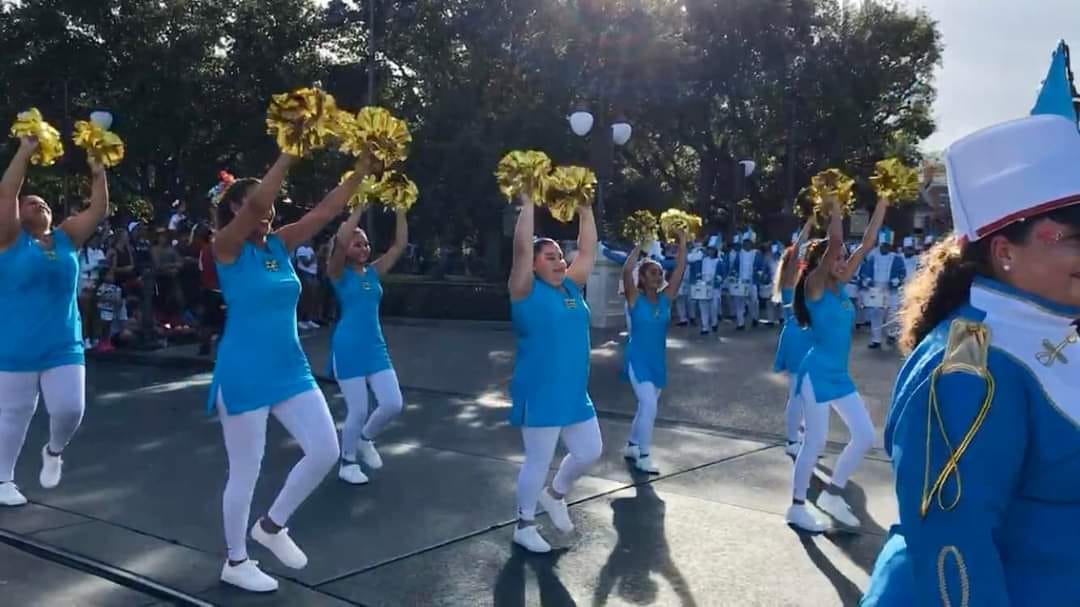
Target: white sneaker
<point x="556" y="509"/>
<point x="281" y="545"/>
<point x="837" y="507"/>
<point x="803" y="517"/>
<point x="631" y="452"/>
<point x="313" y="325"/>
<point x="529" y="538"/>
<point x="304" y="325"/>
<point x="647" y="465"/>
<point x="369" y="455"/>
<point x="51" y="468"/>
<point x="352" y="474"/>
<point x="792" y="449"/>
<point x="248" y="576"/>
<point x="11" y="496"/>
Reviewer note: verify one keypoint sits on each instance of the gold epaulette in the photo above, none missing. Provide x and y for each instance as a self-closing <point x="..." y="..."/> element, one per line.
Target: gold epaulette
<point x="967" y="351"/>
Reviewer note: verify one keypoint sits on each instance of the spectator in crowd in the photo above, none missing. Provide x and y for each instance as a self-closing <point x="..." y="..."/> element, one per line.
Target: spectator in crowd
<point x="178" y="221"/>
<point x="167" y="263"/>
<point x="212" y="305"/>
<point x="327" y="305"/>
<point x="109" y="299"/>
<point x="92" y="260"/>
<point x="307" y="268"/>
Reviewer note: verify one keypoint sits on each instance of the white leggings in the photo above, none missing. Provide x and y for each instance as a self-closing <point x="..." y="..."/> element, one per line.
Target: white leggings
<point x="648" y="398"/>
<point x="793" y="412"/>
<point x="357" y="423"/>
<point x="853" y="411"/>
<point x="584" y="444"/>
<point x="307" y="418"/>
<point x="64" y="389"/>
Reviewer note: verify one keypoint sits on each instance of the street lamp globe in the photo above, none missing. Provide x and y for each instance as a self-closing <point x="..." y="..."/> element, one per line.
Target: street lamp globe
<point x="620" y="132"/>
<point x="102" y="119"/>
<point x="748" y="167"/>
<point x="581" y="122"/>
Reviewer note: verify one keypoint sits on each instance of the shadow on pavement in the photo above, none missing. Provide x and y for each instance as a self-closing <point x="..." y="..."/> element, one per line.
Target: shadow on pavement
<point x="640" y="550"/>
<point x="510" y="584"/>
<point x="854" y="545"/>
<point x="846" y="590"/>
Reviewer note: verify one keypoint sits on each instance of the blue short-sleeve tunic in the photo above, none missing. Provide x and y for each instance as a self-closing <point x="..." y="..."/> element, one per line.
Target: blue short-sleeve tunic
<point x="357" y="346"/>
<point x="826" y="363"/>
<point x="646" y="350"/>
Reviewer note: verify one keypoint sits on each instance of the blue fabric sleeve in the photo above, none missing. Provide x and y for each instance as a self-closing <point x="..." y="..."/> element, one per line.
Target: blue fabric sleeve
<point x="952" y="548"/>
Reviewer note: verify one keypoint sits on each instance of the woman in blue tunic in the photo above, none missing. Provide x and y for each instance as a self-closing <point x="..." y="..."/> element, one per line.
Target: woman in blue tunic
<point x="824" y="381"/>
<point x="984" y="427"/>
<point x="649" y="301"/>
<point x="261" y="368"/>
<point x="41" y="349"/>
<point x="794" y="342"/>
<point x="550" y="384"/>
<point x="359" y="358"/>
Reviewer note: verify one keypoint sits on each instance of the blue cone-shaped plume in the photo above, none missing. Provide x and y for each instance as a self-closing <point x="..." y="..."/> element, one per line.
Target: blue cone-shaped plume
<point x="1058" y="94"/>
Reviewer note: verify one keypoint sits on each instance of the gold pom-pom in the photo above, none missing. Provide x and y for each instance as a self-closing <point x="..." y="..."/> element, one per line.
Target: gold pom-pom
<point x="365" y="192"/>
<point x="525" y="172"/>
<point x="303" y="120"/>
<point x="640" y="227"/>
<point x="673" y="221"/>
<point x="569" y="187"/>
<point x="102" y="147"/>
<point x="832" y="183"/>
<point x="895" y="181"/>
<point x="376" y="130"/>
<point x="31" y="124"/>
<point x="397" y="191"/>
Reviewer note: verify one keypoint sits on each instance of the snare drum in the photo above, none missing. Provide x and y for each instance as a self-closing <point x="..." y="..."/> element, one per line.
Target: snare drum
<point x="701" y="291"/>
<point x="874" y="298"/>
<point x="739" y="289"/>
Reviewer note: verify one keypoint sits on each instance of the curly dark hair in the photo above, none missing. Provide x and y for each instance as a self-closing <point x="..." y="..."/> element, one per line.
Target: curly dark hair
<point x="943" y="281"/>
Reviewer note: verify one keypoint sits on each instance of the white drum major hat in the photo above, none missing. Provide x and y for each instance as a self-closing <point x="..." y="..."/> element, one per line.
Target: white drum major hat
<point x="1012" y="171"/>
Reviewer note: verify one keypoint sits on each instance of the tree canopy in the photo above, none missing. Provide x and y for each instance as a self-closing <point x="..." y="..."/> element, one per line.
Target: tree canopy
<point x="795" y="85"/>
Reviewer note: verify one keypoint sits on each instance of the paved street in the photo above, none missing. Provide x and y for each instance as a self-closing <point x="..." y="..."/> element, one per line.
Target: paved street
<point x="142" y="485"/>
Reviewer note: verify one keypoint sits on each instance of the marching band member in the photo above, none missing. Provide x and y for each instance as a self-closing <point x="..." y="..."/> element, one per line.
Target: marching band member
<point x="710" y="265"/>
<point x="645" y="364"/>
<point x="550" y="384"/>
<point x="42" y="348"/>
<point x="767" y="293"/>
<point x="746" y="275"/>
<point x="685" y="306"/>
<point x="881" y="276"/>
<point x="719" y="284"/>
<point x="984" y="427"/>
<point x="824" y="380"/>
<point x="911" y="259"/>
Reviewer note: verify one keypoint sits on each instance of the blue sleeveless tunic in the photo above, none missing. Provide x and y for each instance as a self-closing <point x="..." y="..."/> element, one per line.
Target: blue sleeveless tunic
<point x="826" y="363"/>
<point x="795" y="341"/>
<point x="550" y="385"/>
<point x="39" y="309"/>
<point x="260" y="362"/>
<point x="357" y="347"/>
<point x="646" y="348"/>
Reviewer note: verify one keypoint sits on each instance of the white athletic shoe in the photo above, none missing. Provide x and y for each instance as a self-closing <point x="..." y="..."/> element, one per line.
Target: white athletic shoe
<point x="802" y="516"/>
<point x="283" y="547"/>
<point x="556" y="509"/>
<point x="352" y="474"/>
<point x="792" y="449"/>
<point x="51" y="468"/>
<point x="248" y="576"/>
<point x="647" y="465"/>
<point x="369" y="455"/>
<point x="529" y="538"/>
<point x="11" y="496"/>
<point x="632" y="452"/>
<point x="313" y="325"/>
<point x="837" y="507"/>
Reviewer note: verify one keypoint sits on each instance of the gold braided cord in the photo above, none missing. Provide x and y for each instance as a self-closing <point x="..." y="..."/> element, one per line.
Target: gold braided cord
<point x="952" y="463"/>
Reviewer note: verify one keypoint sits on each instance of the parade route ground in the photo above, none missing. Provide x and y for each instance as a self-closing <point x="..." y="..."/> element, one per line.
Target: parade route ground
<point x="143" y="479"/>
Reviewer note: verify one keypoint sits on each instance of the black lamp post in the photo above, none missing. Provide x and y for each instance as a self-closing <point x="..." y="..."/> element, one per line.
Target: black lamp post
<point x="603" y="151"/>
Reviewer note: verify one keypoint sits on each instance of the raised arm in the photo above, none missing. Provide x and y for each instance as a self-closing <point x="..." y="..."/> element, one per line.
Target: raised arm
<point x="81" y="227"/>
<point x="629" y="285"/>
<point x="230" y="238"/>
<point x="834" y="250"/>
<point x="790" y="272"/>
<point x="389" y="259"/>
<point x="583" y="264"/>
<point x="868" y="241"/>
<point x="335" y="264"/>
<point x="521" y="273"/>
<point x="303" y="230"/>
<point x="679" y="272"/>
<point x="10" y="186"/>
